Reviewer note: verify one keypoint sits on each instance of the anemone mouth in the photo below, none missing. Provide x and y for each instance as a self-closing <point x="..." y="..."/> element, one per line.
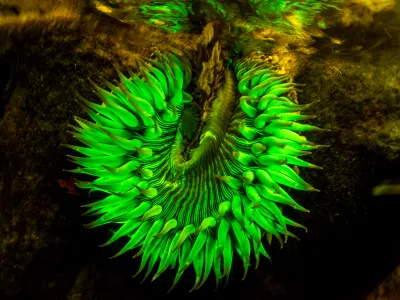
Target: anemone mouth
<point x="196" y="208"/>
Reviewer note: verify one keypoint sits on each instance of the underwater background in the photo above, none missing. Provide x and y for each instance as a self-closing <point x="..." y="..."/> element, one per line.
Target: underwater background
<point x="345" y="52"/>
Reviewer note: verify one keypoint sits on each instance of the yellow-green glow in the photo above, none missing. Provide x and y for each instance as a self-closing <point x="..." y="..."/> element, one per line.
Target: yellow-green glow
<point x="275" y="12"/>
<point x="287" y="16"/>
<point x="218" y="203"/>
<point x="172" y="17"/>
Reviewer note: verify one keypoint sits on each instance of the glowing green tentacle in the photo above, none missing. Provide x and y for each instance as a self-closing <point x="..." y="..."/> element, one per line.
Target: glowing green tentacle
<point x="201" y="209"/>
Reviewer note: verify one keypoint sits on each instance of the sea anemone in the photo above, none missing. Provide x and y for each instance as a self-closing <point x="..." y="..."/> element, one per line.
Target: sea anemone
<point x="180" y="206"/>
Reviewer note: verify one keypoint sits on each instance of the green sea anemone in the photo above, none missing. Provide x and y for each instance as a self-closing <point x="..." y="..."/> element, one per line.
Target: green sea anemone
<point x="180" y="206"/>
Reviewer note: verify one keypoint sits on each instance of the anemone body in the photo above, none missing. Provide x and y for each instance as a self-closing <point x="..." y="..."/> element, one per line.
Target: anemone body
<point x="223" y="197"/>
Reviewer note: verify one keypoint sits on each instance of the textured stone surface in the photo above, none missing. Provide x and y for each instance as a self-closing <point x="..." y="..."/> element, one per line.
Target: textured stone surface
<point x="388" y="289"/>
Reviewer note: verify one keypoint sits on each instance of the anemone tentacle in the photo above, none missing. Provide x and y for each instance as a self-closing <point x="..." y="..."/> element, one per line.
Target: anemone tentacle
<point x="221" y="199"/>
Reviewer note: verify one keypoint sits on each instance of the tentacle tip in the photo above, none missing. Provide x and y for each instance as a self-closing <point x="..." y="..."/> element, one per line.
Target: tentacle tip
<point x="282" y="161"/>
<point x="172" y="287"/>
<point x="201" y="284"/>
<point x="143" y="280"/>
<point x="245" y="275"/>
<point x="193" y="288"/>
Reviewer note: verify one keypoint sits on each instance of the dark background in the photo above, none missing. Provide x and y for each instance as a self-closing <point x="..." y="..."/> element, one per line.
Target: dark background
<point x="353" y="242"/>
